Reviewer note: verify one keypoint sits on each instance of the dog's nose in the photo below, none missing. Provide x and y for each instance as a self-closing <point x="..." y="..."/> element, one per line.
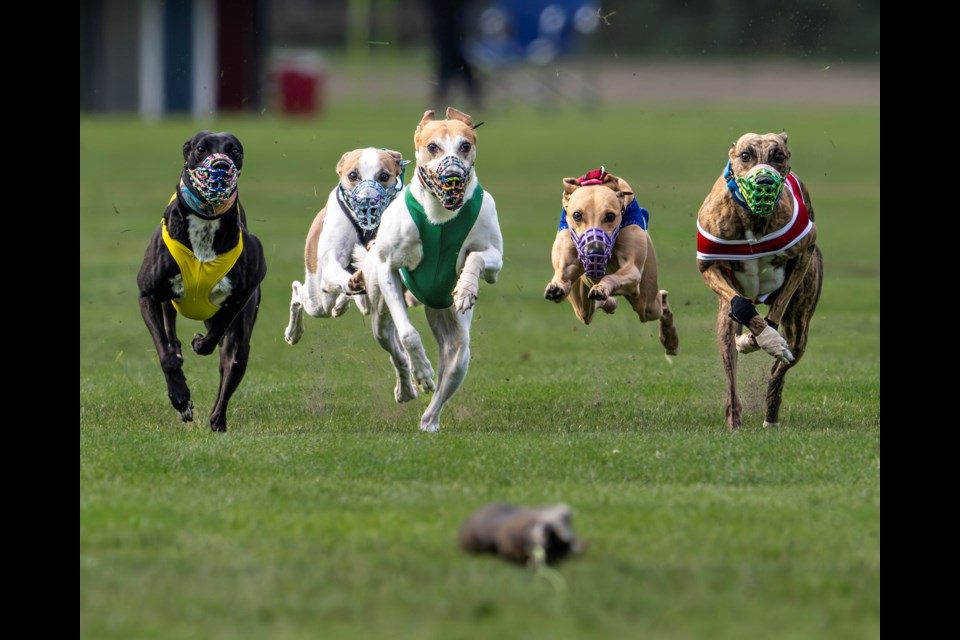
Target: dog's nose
<point x="765" y="181"/>
<point x="595" y="248"/>
<point x="369" y="200"/>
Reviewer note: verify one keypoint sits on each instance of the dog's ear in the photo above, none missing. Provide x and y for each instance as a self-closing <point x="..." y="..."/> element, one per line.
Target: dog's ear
<point x="454" y="114"/>
<point x="732" y="154"/>
<point x="188" y="145"/>
<point x="396" y="155"/>
<point x="428" y="116"/>
<point x="342" y="159"/>
<point x="569" y="186"/>
<point x="624" y="190"/>
<point x="627" y="197"/>
<point x="398" y="158"/>
<point x="783" y="136"/>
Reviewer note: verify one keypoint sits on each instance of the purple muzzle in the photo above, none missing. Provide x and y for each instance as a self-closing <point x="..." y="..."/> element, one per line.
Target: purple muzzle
<point x="595" y="248"/>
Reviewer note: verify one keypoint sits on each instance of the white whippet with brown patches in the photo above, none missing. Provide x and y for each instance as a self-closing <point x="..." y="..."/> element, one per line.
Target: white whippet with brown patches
<point x="437" y="240"/>
<point x="340" y="236"/>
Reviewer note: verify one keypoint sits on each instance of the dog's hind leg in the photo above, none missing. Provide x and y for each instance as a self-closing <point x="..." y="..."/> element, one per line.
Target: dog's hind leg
<point x="583" y="307"/>
<point x="795" y="326"/>
<point x="726" y="336"/>
<point x="668" y="329"/>
<point x="294" y="330"/>
<point x="316" y="302"/>
<point x="452" y="331"/>
<point x="234" y="354"/>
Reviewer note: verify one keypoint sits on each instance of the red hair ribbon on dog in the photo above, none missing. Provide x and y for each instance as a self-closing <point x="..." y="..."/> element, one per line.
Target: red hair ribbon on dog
<point x="592" y="177"/>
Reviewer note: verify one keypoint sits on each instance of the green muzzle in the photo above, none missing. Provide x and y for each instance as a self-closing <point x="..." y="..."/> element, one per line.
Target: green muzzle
<point x="761" y="190"/>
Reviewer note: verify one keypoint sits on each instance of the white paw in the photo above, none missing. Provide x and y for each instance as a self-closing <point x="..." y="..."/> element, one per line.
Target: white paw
<point x="770" y="425"/>
<point x="429" y="427"/>
<point x="404" y="391"/>
<point x="774" y="344"/>
<point x="341" y="306"/>
<point x="420" y="365"/>
<point x="423" y="376"/>
<point x="746" y="343"/>
<point x="187" y="414"/>
<point x="464" y="303"/>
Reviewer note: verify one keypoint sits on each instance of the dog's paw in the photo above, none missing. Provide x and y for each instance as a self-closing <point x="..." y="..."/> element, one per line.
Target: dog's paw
<point x="405" y="391"/>
<point x="428" y="425"/>
<point x="294" y="330"/>
<point x="410" y="299"/>
<point x="608" y="306"/>
<point x="598" y="292"/>
<point x="423" y="376"/>
<point x="774" y="344"/>
<point x="420" y="365"/>
<point x="356" y="283"/>
<point x="746" y="343"/>
<point x="555" y="291"/>
<point x="292" y="335"/>
<point x="201" y="346"/>
<point x="341" y="306"/>
<point x="464" y="303"/>
<point x="186" y="414"/>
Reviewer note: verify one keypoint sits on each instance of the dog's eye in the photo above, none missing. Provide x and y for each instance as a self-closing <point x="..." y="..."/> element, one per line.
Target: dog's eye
<point x="779" y="156"/>
<point x="353" y="175"/>
<point x="432" y="148"/>
<point x="201" y="149"/>
<point x="577" y="215"/>
<point x="610" y="217"/>
<point x="383" y="177"/>
<point x="235" y="152"/>
<point x="745" y="156"/>
<point x="465" y="147"/>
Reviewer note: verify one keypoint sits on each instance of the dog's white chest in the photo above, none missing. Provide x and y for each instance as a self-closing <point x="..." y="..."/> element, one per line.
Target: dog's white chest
<point x="759" y="277"/>
<point x="201" y="237"/>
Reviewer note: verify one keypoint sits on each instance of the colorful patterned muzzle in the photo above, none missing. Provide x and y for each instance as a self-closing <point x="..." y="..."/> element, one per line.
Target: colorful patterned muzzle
<point x="595" y="248"/>
<point x="369" y="199"/>
<point x="761" y="190"/>
<point x="448" y="182"/>
<point x="215" y="179"/>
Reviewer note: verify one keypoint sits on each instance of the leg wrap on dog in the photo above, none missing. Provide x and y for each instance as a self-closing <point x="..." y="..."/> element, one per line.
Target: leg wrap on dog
<point x="747" y="342"/>
<point x="469" y="282"/>
<point x="742" y="310"/>
<point x="774" y="344"/>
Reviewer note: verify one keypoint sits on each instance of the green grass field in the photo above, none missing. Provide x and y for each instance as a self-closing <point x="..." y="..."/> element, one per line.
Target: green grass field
<point x="324" y="512"/>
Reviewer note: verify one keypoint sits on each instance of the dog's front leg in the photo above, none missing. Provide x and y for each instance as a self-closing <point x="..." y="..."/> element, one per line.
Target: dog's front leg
<point x="392" y="292"/>
<point x="566" y="267"/>
<point x="726" y="339"/>
<point x="486" y="263"/>
<point x="744" y="312"/>
<point x="168" y="349"/>
<point x="630" y="253"/>
<point x="217" y="325"/>
<point x="796" y="273"/>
